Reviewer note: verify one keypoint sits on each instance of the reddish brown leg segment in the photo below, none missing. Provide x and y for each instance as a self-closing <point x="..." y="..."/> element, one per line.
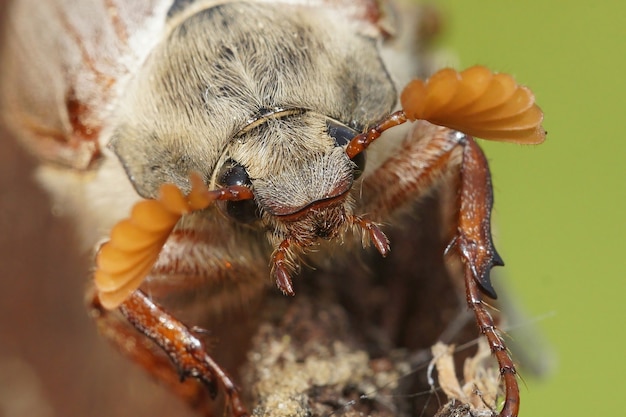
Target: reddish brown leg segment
<point x="148" y="355"/>
<point x="428" y="155"/>
<point x="479" y="256"/>
<point x="186" y="351"/>
<point x="423" y="160"/>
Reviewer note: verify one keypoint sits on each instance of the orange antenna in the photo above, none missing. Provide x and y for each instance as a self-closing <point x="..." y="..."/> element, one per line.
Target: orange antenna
<point x="135" y="243"/>
<point x="477" y="102"/>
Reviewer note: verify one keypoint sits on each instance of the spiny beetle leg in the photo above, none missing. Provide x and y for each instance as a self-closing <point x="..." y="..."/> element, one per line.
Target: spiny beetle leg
<point x="186" y="351"/>
<point x="479" y="256"/>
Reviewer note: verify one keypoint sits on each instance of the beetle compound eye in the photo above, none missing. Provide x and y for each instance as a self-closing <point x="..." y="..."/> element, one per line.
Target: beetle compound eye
<point x="233" y="173"/>
<point x="244" y="211"/>
<point x="342" y="135"/>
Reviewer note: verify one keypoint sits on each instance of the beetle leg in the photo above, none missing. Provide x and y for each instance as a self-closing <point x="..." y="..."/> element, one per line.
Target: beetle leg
<point x="479" y="256"/>
<point x="144" y="352"/>
<point x="428" y="155"/>
<point x="423" y="160"/>
<point x="182" y="346"/>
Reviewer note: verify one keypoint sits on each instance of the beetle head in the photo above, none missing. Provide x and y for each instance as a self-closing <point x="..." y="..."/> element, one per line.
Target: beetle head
<point x="295" y="162"/>
<point x="271" y="112"/>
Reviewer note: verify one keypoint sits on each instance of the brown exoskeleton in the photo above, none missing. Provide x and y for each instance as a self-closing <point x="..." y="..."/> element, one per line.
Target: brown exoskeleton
<point x="270" y="105"/>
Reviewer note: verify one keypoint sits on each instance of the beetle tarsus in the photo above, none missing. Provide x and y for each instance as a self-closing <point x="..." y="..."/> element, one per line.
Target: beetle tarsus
<point x="496" y="344"/>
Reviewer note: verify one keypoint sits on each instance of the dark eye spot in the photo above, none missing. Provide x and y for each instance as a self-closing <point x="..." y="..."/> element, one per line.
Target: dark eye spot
<point x="342" y="135"/>
<point x="245" y="211"/>
<point x="233" y="173"/>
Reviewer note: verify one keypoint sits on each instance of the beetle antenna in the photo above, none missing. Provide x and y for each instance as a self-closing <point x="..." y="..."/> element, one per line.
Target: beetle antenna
<point x="360" y="142"/>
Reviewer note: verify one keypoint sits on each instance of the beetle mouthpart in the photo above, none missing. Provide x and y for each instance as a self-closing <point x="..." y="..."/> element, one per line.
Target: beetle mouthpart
<point x="314" y="183"/>
<point x="280" y="268"/>
<point x="283" y="281"/>
<point x="376" y="235"/>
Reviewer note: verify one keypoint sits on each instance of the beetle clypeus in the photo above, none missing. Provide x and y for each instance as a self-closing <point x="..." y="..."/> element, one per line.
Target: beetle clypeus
<point x="260" y="111"/>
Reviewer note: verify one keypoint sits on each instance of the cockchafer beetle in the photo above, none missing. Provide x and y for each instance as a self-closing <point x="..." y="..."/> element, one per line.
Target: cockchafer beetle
<point x="244" y="126"/>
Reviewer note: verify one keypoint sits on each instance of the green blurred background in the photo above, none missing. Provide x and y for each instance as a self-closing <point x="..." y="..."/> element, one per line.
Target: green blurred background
<point x="560" y="206"/>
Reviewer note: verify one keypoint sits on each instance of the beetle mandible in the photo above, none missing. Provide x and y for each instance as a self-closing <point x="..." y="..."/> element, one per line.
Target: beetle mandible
<point x="244" y="125"/>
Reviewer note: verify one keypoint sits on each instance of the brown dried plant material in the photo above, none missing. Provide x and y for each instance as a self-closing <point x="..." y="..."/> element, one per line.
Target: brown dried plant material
<point x="477" y="393"/>
<point x="311" y="362"/>
<point x="318" y="367"/>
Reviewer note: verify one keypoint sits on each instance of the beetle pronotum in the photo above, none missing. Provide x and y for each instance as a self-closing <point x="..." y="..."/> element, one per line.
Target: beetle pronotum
<point x="270" y="105"/>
